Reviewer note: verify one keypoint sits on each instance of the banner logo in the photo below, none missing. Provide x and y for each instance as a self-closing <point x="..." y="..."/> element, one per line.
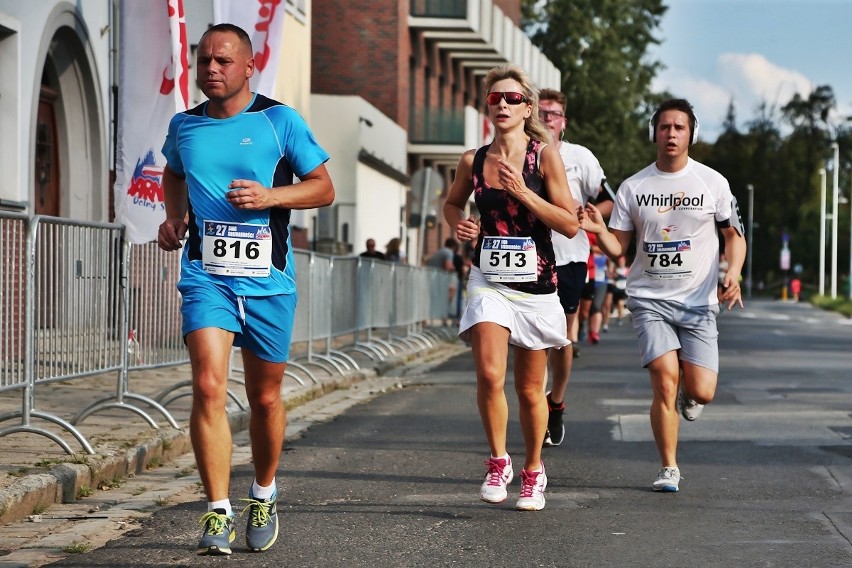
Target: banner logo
<point x="146" y="184"/>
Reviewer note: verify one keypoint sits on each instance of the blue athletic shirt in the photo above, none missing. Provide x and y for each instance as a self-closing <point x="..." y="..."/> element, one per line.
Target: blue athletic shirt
<point x="268" y="142"/>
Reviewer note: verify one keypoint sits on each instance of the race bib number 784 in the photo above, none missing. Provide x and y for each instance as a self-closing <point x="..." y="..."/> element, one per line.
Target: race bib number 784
<point x="667" y="260"/>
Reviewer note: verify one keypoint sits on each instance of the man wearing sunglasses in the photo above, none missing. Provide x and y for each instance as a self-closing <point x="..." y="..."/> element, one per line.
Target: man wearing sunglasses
<point x="587" y="182"/>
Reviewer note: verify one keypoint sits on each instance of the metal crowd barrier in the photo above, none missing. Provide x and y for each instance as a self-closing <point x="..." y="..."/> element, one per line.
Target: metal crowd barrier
<point x="150" y="324"/>
<point x="72" y="315"/>
<point x="77" y="300"/>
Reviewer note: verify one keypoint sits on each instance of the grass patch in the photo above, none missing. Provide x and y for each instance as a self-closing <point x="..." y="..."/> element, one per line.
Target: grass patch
<point x="40" y="508"/>
<point x="77" y="548"/>
<point x="161" y="501"/>
<point x="113" y="483"/>
<point x="84" y="491"/>
<point x="139" y="490"/>
<point x="840" y="304"/>
<point x="185" y="472"/>
<point x="154" y="463"/>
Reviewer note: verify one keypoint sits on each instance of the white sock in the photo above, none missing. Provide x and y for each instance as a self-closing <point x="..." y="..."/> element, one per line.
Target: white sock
<point x="262" y="493"/>
<point x="503" y="457"/>
<point x="221" y="504"/>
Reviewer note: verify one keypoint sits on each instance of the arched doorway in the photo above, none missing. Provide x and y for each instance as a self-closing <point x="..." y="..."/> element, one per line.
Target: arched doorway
<point x="69" y="149"/>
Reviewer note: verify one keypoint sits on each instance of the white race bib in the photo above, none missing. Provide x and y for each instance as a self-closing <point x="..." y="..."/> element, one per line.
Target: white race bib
<point x="509" y="259"/>
<point x="667" y="260"/>
<point x="236" y="249"/>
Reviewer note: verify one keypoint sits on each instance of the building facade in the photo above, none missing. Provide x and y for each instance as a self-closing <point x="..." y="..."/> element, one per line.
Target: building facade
<point x="419" y="63"/>
<point x="55" y="78"/>
<point x="59" y="83"/>
<point x="391" y="88"/>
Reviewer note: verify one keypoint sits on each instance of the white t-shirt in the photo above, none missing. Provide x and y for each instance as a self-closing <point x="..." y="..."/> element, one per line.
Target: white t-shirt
<point x="674" y="217"/>
<point x="585" y="177"/>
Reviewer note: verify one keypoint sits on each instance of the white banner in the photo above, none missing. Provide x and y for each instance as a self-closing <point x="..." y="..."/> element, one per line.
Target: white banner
<point x="263" y="21"/>
<point x="153" y="84"/>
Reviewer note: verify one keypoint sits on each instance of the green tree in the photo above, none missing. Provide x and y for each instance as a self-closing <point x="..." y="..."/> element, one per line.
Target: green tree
<point x="784" y="171"/>
<point x="601" y="48"/>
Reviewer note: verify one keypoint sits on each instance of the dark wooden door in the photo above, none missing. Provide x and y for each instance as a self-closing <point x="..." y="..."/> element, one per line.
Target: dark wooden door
<point x="46" y="157"/>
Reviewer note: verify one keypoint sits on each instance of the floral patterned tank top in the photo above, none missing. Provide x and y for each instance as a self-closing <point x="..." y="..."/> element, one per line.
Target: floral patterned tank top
<point x="501" y="215"/>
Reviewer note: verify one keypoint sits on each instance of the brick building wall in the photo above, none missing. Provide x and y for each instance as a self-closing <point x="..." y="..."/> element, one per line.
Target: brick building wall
<point x="361" y="47"/>
<point x="512" y="9"/>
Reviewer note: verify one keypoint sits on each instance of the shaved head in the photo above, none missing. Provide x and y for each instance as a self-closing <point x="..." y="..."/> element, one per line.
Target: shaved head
<point x="244" y="40"/>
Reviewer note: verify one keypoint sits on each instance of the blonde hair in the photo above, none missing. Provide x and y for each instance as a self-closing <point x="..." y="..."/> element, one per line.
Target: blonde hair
<point x="533" y="126"/>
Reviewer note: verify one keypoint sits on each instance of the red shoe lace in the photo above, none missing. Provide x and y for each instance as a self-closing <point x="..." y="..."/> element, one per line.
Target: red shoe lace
<point x="495" y="471"/>
<point x="528" y="482"/>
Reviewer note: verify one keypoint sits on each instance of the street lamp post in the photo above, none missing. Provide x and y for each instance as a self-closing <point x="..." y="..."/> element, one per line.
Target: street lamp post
<point x="822" y="232"/>
<point x="834" y="199"/>
<point x="750" y="240"/>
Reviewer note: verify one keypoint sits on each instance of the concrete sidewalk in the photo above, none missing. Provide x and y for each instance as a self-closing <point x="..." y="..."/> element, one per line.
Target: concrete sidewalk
<point x="35" y="472"/>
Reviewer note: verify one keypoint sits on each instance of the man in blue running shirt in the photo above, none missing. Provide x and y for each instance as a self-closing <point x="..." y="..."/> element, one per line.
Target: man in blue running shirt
<point x="229" y="189"/>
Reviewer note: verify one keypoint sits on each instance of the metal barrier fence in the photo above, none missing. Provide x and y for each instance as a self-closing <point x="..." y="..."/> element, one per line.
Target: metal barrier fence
<point x="77" y="300"/>
<point x="13" y="243"/>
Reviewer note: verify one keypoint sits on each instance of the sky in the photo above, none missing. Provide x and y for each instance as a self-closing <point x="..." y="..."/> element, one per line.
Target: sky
<point x="753" y="50"/>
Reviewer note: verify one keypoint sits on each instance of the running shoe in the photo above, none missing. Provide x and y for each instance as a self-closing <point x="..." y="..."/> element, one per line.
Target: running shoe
<point x="689" y="409"/>
<point x="499" y="475"/>
<point x="218" y="534"/>
<point x="555" y="427"/>
<point x="532" y="490"/>
<point x="576" y="350"/>
<point x="262" y="526"/>
<point x="668" y="479"/>
<point x="594" y="338"/>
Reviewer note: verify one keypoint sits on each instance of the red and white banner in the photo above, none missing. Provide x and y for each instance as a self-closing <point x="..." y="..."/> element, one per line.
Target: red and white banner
<point x="263" y="21"/>
<point x="153" y="84"/>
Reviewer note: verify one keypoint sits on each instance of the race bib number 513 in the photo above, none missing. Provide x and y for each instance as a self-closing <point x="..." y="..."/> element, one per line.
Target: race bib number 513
<point x="236" y="249"/>
<point x="509" y="259"/>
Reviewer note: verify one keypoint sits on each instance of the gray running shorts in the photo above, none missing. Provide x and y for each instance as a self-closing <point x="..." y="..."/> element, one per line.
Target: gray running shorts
<point x="665" y="326"/>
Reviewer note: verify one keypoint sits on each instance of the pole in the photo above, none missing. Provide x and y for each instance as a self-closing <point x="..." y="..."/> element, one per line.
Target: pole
<point x="822" y="232"/>
<point x="750" y="240"/>
<point x="849" y="274"/>
<point x="424" y="201"/>
<point x="834" y="199"/>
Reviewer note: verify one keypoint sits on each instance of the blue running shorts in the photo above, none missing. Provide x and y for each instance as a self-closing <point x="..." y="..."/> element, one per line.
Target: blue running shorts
<point x="261" y="324"/>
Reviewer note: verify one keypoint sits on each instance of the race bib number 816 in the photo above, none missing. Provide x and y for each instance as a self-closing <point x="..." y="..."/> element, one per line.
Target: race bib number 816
<point x="236" y="249"/>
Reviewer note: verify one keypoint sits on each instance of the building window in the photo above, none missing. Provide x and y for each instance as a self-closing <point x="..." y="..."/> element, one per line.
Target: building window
<point x="298" y="5"/>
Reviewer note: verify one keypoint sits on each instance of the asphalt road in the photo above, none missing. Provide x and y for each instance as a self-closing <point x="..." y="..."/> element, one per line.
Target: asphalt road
<point x="394" y="481"/>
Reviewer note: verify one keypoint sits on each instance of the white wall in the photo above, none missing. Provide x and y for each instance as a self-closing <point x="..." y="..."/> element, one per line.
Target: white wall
<point x="29" y="28"/>
<point x="368" y="198"/>
<point x="379" y="200"/>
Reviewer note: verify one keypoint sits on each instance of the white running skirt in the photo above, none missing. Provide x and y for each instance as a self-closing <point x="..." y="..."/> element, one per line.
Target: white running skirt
<point x="534" y="321"/>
